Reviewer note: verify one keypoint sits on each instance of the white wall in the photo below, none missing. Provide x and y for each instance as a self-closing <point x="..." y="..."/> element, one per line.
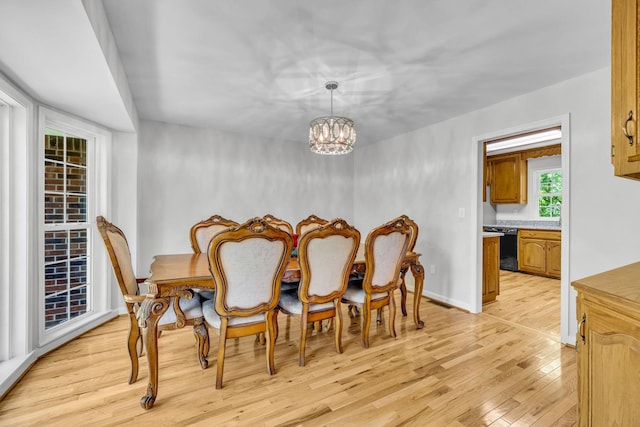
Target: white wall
<point x="187" y="174"/>
<point x="424" y="174"/>
<point x="124" y="198"/>
<point x="429" y="173"/>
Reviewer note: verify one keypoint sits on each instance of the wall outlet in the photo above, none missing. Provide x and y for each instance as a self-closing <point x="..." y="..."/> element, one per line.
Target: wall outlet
<point x="432" y="269"/>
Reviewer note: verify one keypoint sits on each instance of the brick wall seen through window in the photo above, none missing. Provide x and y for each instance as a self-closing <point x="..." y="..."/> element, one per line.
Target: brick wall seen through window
<point x="66" y="233"/>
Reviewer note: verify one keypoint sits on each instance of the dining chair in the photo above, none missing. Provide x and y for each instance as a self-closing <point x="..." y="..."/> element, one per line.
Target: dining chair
<point x="201" y="234"/>
<point x="246" y="263"/>
<point x="288" y="283"/>
<point x="186" y="309"/>
<point x="325" y="255"/>
<point x="279" y="223"/>
<point x="403" y="270"/>
<point x="384" y="251"/>
<point x="309" y="223"/>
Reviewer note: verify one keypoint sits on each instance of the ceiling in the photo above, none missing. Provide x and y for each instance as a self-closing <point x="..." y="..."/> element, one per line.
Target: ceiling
<point x="259" y="67"/>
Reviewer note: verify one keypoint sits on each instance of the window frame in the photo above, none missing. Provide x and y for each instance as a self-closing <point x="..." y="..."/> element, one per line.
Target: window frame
<point x="98" y="176"/>
<point x="536" y="193"/>
<point x="17" y="247"/>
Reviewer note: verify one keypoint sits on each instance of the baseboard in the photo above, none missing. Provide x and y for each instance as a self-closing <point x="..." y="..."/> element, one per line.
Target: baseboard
<point x="451" y="302"/>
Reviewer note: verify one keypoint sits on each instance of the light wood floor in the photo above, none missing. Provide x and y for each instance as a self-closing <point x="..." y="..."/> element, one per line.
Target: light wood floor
<point x="503" y="367"/>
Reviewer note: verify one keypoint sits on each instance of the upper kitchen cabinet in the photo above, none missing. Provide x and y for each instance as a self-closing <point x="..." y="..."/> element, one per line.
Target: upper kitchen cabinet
<point x="625" y="87"/>
<point x="508" y="178"/>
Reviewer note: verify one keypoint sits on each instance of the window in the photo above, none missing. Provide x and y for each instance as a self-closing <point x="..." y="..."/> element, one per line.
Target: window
<point x="73" y="289"/>
<point x="66" y="228"/>
<point x="549" y="193"/>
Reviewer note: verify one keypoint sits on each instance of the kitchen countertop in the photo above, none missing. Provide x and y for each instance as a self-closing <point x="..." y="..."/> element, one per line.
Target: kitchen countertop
<point x="491" y="234"/>
<point x="541" y="225"/>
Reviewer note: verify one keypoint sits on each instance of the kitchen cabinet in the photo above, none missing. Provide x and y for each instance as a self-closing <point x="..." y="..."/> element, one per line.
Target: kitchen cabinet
<point x="625" y="88"/>
<point x="608" y="344"/>
<point x="490" y="268"/>
<point x="539" y="252"/>
<point x="508" y="178"/>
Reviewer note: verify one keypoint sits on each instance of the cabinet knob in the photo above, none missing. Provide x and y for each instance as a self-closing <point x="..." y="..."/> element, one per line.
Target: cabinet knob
<point x="625" y="129"/>
<point x="581" y="328"/>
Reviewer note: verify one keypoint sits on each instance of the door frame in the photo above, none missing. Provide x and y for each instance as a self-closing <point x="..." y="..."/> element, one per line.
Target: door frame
<point x="564" y="121"/>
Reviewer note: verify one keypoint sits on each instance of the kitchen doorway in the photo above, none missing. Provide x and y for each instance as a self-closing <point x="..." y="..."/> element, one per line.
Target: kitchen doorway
<point x="563" y="123"/>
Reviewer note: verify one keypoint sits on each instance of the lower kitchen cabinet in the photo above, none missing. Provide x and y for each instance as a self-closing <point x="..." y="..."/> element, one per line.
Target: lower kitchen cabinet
<point x="539" y="252"/>
<point x="490" y="268"/>
<point x="608" y="344"/>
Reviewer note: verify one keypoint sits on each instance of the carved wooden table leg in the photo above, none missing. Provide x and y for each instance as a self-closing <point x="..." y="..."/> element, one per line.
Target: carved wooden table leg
<point x="202" y="341"/>
<point x="151" y="310"/>
<point x="418" y="274"/>
<point x="403" y="290"/>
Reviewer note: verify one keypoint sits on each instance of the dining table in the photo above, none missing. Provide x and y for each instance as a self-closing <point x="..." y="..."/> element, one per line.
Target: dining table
<point x="176" y="275"/>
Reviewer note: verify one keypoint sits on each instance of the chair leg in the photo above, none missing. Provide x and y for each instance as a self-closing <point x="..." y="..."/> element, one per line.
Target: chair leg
<point x="403" y="291"/>
<point x="355" y="312"/>
<point x="270" y="333"/>
<point x="379" y="316"/>
<point x="134" y="345"/>
<point x="392" y="315"/>
<point x="338" y="327"/>
<point x="303" y="333"/>
<point x="202" y="341"/>
<point x="277" y="329"/>
<point x="221" y="348"/>
<point x="366" y="322"/>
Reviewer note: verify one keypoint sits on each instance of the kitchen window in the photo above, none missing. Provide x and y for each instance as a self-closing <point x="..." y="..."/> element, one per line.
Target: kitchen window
<point x="549" y="193"/>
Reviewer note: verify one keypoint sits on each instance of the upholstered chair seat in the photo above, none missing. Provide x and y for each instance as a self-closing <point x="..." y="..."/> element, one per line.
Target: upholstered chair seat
<point x="358" y="295"/>
<point x="214" y="318"/>
<point x="191" y="309"/>
<point x="289" y="302"/>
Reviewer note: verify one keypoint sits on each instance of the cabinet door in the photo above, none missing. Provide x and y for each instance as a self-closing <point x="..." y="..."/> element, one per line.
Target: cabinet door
<point x="506" y="179"/>
<point x="625" y="95"/>
<point x="553" y="258"/>
<point x="490" y="268"/>
<point x="609" y="368"/>
<point x="532" y="255"/>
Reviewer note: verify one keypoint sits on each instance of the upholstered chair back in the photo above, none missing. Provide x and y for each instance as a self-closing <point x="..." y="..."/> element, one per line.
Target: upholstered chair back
<point x="414" y="232"/>
<point x="247" y="263"/>
<point x="310" y="223"/>
<point x="203" y="232"/>
<point x="326" y="255"/>
<point x="385" y="249"/>
<point x="119" y="254"/>
<point x="278" y="223"/>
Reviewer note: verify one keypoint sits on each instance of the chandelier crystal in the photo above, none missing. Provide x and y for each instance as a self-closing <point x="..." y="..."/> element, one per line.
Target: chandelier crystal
<point x="332" y="134"/>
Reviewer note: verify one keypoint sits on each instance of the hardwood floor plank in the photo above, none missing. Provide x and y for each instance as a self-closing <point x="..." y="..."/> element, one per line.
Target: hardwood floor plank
<point x="505" y="366"/>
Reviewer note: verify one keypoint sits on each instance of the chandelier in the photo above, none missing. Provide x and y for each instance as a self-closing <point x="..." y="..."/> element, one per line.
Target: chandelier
<point x="332" y="134"/>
